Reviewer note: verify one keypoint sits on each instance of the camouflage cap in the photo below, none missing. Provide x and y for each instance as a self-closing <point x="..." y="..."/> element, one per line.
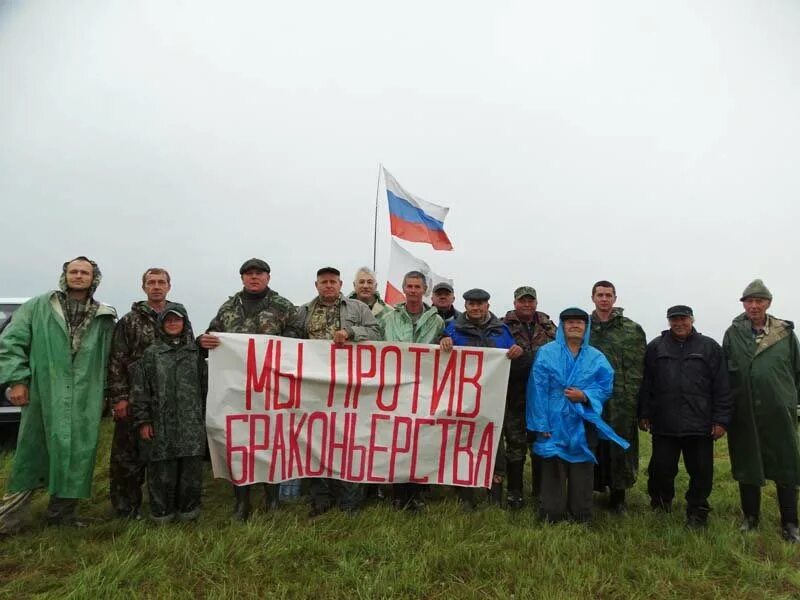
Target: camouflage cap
<point x="254" y="263"/>
<point x="525" y="290"/>
<point x="477" y="295"/>
<point x="756" y="289"/>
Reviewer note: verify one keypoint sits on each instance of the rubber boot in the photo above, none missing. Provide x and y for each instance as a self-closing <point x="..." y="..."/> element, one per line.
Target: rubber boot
<point x="496" y="494"/>
<point x="514" y="499"/>
<point x="536" y="478"/>
<point x="241" y="510"/>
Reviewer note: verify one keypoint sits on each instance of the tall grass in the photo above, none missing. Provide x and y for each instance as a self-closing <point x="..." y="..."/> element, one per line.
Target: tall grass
<point x="380" y="553"/>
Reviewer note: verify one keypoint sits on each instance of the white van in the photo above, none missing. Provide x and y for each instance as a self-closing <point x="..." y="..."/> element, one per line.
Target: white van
<point x="8" y="412"/>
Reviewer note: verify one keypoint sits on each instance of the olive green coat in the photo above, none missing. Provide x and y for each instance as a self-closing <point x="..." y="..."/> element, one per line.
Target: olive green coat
<point x="765" y="378"/>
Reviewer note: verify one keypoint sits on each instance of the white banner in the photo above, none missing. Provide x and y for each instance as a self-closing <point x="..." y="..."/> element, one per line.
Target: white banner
<point x="376" y="412"/>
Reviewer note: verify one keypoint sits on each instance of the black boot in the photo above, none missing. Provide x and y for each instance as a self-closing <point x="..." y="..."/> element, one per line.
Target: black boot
<point x="241" y="510"/>
<point x="496" y="494"/>
<point x="536" y="477"/>
<point x="616" y="501"/>
<point x="514" y="499"/>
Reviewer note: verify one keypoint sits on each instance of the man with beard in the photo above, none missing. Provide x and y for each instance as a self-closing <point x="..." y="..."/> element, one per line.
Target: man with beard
<point x="256" y="309"/>
<point x="133" y="334"/>
<point x="623" y="343"/>
<point x="332" y="316"/>
<point x="531" y="330"/>
<point x="764" y="365"/>
<point x="53" y="356"/>
<point x="476" y="326"/>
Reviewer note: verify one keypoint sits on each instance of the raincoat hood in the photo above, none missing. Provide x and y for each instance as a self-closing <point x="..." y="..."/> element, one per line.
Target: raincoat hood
<point x="98" y="276"/>
<point x="183" y="337"/>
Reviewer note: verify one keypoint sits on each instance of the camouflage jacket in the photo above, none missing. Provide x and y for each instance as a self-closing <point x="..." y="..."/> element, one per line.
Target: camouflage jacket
<point x="133" y="334"/>
<point x="530" y="339"/>
<point x="355" y="318"/>
<point x="623" y="342"/>
<point x="274" y="315"/>
<point x="167" y="394"/>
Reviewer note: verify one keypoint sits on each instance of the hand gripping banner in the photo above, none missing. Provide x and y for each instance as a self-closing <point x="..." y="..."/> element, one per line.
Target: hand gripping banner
<point x="376" y="412"/>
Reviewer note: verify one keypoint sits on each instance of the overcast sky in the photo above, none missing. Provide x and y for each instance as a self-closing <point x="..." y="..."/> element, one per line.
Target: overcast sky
<point x="652" y="143"/>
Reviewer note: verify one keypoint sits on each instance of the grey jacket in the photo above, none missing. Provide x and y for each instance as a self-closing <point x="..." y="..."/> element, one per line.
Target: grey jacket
<point x="355" y="316"/>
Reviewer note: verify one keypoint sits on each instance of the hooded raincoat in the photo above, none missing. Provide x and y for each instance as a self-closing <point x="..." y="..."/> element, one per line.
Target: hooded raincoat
<point x="167" y="394"/>
<point x="550" y="411"/>
<point x="58" y="434"/>
<point x="765" y="379"/>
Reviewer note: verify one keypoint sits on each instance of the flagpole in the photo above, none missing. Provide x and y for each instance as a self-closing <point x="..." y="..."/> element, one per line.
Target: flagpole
<point x="375" y="226"/>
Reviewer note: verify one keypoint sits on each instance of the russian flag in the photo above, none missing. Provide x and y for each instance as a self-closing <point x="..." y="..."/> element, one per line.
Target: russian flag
<point x="413" y="219"/>
<point x="401" y="261"/>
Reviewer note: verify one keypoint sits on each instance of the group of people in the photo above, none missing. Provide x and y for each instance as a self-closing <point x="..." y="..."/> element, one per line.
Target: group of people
<point x="577" y="395"/>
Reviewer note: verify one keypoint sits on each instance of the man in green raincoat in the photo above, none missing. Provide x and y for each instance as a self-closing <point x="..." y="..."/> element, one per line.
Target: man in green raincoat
<point x="764" y="365"/>
<point x="53" y="356"/>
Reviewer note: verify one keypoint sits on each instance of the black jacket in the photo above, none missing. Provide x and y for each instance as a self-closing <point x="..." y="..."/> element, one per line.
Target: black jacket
<point x="685" y="388"/>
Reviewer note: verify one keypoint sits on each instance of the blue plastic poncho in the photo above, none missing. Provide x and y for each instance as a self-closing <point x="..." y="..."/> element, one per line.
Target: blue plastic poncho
<point x="550" y="411"/>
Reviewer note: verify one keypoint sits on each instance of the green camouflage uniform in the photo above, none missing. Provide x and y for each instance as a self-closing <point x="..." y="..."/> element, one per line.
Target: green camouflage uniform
<point x="133" y="334"/>
<point x="530" y="337"/>
<point x="272" y="315"/>
<point x="623" y="343"/>
<point x="167" y="394"/>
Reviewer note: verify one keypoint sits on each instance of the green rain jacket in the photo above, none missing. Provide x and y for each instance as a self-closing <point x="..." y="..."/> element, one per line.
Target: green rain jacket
<point x="764" y="378"/>
<point x="398" y="326"/>
<point x="57" y="442"/>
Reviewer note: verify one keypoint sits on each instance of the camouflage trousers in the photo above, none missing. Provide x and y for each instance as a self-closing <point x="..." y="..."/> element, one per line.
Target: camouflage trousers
<point x="126" y="469"/>
<point x="175" y="488"/>
<point x="515" y="434"/>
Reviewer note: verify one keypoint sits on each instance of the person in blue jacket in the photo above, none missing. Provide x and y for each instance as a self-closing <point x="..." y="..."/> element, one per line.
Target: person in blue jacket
<point x="476" y="326"/>
<point x="569" y="383"/>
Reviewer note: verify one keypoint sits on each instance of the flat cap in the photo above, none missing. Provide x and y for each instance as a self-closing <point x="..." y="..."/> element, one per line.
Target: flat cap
<point x="756" y="289"/>
<point x="328" y="271"/>
<point x="680" y="310"/>
<point x="525" y="290"/>
<point x="574" y="313"/>
<point x="442" y="285"/>
<point x="253" y="263"/>
<point x="477" y="295"/>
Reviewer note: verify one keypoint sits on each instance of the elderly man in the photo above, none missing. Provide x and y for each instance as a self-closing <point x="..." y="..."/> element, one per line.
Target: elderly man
<point x="331" y="316"/>
<point x="442" y="297"/>
<point x="623" y="343"/>
<point x="568" y="386"/>
<point x="365" y="288"/>
<point x="53" y="356"/>
<point x="685" y="403"/>
<point x="255" y="309"/>
<point x="476" y="326"/>
<point x="531" y="330"/>
<point x="415" y="322"/>
<point x="133" y="334"/>
<point x="764" y="365"/>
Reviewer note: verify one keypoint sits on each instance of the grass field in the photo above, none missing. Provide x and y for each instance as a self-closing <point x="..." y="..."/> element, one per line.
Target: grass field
<point x="381" y="553"/>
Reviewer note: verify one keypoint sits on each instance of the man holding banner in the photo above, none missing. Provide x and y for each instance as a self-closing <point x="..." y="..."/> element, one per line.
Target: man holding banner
<point x="476" y="326"/>
<point x="415" y="322"/>
<point x="332" y="316"/>
<point x="256" y="309"/>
